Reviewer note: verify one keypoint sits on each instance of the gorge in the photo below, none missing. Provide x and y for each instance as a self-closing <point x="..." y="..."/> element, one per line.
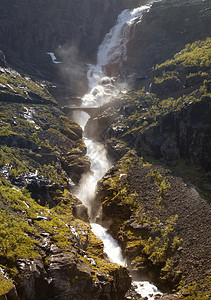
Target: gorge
<point x="103" y="208"/>
<point x="102" y="90"/>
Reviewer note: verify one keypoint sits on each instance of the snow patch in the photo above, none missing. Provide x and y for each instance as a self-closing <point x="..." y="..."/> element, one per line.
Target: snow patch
<point x="53" y="57"/>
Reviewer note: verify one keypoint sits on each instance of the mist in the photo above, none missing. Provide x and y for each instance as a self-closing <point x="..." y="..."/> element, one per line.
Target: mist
<point x="73" y="70"/>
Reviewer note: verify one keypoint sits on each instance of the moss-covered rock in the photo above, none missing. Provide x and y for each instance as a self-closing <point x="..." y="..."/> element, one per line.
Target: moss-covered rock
<point x="165" y="122"/>
<point x="53" y="248"/>
<point x="41" y="150"/>
<point x="157" y="220"/>
<point x="16" y="87"/>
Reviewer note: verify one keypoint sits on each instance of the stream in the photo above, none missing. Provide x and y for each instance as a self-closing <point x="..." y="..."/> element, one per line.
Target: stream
<point x="101" y="90"/>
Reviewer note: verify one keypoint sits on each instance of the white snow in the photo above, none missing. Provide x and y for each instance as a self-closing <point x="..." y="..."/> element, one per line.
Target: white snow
<point x="53" y="57"/>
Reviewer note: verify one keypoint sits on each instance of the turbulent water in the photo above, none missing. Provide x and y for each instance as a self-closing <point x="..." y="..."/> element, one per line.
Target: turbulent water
<point x="111" y="247"/>
<point x="112" y="50"/>
<point x="114" y="46"/>
<point x="101" y="90"/>
<point x="99" y="165"/>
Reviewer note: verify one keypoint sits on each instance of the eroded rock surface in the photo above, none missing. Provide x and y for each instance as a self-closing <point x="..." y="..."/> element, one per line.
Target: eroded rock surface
<point x="160" y="221"/>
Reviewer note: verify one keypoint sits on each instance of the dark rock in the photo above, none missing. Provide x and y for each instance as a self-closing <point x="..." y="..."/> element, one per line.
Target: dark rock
<point x="169" y="150"/>
<point x="11" y="295"/>
<point x="188" y="135"/>
<point x="66" y="31"/>
<point x="165" y="30"/>
<point x="207" y="187"/>
<point x="2" y="60"/>
<point x="166" y="87"/>
<point x="81" y="212"/>
<point x="41" y="218"/>
<point x="14" y="140"/>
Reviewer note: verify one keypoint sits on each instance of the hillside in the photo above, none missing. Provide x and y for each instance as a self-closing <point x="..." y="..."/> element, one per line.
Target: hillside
<point x="154" y="200"/>
<point x="149" y="202"/>
<point x="168" y="118"/>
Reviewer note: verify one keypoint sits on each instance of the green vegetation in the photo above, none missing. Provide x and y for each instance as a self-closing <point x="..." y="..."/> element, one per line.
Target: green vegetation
<point x="195" y="54"/>
<point x="145" y="238"/>
<point x="5" y="285"/>
<point x="161" y="182"/>
<point x="23" y="221"/>
<point x="150" y="110"/>
<point x="153" y="122"/>
<point x="39" y="139"/>
<point x="19" y="85"/>
<point x="190" y="67"/>
<point x="41" y="142"/>
<point x="196" y="290"/>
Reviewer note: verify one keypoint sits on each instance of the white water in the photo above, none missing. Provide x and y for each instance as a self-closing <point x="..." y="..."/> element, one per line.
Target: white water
<point x="99" y="164"/>
<point x="114" y="46"/>
<point x="111" y="247"/>
<point x="146" y="289"/>
<point x="101" y="90"/>
<point x="112" y="50"/>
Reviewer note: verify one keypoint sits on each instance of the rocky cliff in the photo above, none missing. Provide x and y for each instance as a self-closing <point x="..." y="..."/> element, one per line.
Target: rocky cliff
<point x="163" y="31"/>
<point x="145" y="202"/>
<point x="150" y="204"/>
<point x="31" y="29"/>
<point x="48" y="250"/>
<point x="73" y="31"/>
<point x="172" y="120"/>
<point x="161" y="223"/>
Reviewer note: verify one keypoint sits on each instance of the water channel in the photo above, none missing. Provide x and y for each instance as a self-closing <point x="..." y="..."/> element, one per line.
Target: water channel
<point x="101" y="90"/>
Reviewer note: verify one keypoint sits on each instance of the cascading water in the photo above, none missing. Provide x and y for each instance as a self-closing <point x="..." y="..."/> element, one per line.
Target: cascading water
<point x="101" y="90"/>
<point x="112" y="50"/>
<point x="99" y="164"/>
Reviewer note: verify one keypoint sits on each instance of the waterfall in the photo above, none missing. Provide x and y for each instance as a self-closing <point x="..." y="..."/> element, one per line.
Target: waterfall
<point x="114" y="46"/>
<point x="101" y="90"/>
<point x="99" y="164"/>
<point x="111" y="247"/>
<point x="112" y="50"/>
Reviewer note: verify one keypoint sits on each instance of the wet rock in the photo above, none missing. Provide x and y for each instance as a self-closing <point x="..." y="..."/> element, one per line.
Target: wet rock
<point x="75" y="166"/>
<point x="96" y="127"/>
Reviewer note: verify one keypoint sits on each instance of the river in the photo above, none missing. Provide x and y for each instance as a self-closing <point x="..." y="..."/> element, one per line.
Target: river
<point x="101" y="90"/>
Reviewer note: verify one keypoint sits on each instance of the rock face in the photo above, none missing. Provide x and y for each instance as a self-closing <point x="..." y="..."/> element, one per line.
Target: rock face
<point x="30" y="30"/>
<point x="189" y="136"/>
<point x="67" y="279"/>
<point x="48" y="151"/>
<point x="173" y="120"/>
<point x="165" y="30"/>
<point x="160" y="222"/>
<point x="60" y="258"/>
<point x="47" y="246"/>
